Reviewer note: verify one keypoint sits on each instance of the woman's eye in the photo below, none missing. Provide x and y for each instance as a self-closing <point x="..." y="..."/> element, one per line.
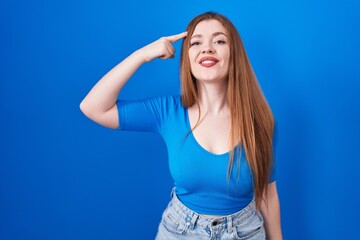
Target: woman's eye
<point x="194" y="43"/>
<point x="220" y="42"/>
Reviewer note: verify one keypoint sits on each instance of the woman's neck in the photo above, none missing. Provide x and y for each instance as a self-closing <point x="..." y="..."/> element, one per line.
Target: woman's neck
<point x="212" y="97"/>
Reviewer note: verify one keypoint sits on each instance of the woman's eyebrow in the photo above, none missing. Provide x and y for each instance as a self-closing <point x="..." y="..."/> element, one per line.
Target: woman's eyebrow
<point x="213" y="35"/>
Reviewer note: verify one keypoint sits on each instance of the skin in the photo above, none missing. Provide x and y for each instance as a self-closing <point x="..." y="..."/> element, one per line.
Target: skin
<point x="100" y="103"/>
<point x="209" y="39"/>
<point x="271" y="213"/>
<point x="213" y="132"/>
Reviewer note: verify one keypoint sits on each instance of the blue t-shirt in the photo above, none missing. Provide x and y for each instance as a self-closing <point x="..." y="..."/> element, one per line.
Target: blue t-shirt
<point x="200" y="177"/>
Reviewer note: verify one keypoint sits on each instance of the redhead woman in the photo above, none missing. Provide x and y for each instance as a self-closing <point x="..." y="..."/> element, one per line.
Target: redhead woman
<point x="219" y="133"/>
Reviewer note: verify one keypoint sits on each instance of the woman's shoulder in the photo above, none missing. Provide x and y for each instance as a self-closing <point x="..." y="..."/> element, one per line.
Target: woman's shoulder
<point x="164" y="102"/>
<point x="168" y="100"/>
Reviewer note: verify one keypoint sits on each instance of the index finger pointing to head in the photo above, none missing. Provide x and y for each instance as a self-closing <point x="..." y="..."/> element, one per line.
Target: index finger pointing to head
<point x="176" y="37"/>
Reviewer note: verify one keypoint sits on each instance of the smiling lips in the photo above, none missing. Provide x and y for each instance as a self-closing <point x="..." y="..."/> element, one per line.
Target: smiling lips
<point x="208" y="61"/>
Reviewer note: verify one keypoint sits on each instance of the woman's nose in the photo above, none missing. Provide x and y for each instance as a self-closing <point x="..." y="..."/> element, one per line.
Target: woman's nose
<point x="207" y="50"/>
<point x="207" y="47"/>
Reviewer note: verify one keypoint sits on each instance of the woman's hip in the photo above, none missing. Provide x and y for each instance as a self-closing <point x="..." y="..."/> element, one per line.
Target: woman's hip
<point x="179" y="222"/>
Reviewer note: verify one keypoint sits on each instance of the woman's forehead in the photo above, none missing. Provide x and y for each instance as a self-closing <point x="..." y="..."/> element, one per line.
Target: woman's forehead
<point x="208" y="27"/>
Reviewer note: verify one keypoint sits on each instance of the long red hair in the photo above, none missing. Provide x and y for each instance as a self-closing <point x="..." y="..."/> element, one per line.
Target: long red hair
<point x="252" y="122"/>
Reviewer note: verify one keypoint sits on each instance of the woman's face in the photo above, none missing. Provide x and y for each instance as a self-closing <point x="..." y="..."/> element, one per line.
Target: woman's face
<point x="209" y="51"/>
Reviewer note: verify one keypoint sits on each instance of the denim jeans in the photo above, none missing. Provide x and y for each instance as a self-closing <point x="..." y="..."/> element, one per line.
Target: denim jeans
<point x="179" y="222"/>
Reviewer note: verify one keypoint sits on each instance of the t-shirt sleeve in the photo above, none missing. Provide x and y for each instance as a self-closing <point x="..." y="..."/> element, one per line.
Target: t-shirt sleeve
<point x="147" y="115"/>
<point x="275" y="140"/>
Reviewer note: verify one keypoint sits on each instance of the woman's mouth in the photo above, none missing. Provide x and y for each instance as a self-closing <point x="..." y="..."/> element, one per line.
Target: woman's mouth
<point x="208" y="61"/>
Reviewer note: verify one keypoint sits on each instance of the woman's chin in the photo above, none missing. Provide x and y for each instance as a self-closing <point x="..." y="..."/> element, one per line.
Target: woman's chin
<point x="210" y="79"/>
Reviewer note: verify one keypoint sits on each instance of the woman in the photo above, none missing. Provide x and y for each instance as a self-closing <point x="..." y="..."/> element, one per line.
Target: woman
<point x="219" y="133"/>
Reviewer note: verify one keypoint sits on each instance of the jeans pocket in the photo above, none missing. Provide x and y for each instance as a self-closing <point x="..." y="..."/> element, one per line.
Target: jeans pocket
<point x="252" y="229"/>
<point x="173" y="222"/>
<point x="254" y="234"/>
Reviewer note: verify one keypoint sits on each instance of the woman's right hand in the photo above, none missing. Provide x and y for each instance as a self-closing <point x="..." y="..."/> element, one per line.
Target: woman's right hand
<point x="100" y="103"/>
<point x="161" y="48"/>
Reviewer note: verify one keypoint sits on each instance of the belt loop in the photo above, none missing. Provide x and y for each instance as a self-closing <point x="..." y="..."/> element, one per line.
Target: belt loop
<point x="193" y="221"/>
<point x="229" y="222"/>
<point x="172" y="192"/>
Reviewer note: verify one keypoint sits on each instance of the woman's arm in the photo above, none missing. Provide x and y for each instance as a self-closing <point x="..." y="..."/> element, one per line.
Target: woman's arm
<point x="271" y="213"/>
<point x="100" y="103"/>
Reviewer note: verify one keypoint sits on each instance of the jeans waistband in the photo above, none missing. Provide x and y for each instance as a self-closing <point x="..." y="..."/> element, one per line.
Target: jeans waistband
<point x="203" y="221"/>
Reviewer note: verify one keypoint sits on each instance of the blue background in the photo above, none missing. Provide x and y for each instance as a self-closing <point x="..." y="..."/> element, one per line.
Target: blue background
<point x="64" y="177"/>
